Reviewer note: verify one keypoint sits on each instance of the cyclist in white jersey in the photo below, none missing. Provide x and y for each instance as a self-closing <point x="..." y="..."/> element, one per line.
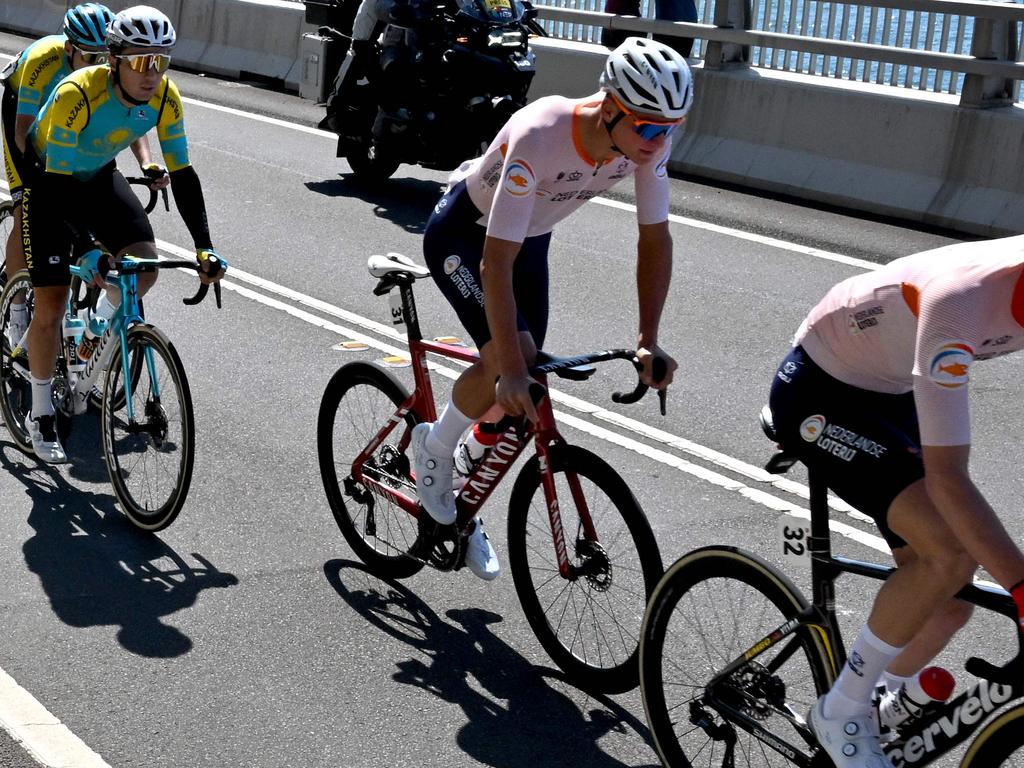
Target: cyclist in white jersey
<point x="487" y="240"/>
<point x="874" y="395"/>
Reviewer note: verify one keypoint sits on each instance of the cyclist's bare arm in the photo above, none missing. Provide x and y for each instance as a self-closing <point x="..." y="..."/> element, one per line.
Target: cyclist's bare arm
<point x="967" y="512"/>
<point x="513" y="391"/>
<point x="143" y="154"/>
<point x="653" y="275"/>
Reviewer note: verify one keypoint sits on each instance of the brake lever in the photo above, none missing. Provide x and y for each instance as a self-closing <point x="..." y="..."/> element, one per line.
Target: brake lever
<point x="167" y="203"/>
<point x="506" y="422"/>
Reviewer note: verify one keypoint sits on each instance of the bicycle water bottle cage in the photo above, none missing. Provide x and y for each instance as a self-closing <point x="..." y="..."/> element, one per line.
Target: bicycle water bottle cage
<point x="780" y="463"/>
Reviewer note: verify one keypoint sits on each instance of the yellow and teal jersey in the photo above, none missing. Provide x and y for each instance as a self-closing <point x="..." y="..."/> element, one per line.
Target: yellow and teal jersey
<point x="83" y="125"/>
<point x="40" y="67"/>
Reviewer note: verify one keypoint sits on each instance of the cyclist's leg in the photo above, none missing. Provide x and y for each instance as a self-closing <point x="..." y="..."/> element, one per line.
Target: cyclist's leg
<point x="947" y="619"/>
<point x="47" y="250"/>
<point x="119" y="221"/>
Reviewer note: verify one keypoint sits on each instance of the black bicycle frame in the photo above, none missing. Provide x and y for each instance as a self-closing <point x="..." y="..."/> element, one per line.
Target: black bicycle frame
<point x="940" y="729"/>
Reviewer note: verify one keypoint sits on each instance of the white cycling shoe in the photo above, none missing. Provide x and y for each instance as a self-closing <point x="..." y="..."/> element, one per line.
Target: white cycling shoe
<point x="480" y="555"/>
<point x="851" y="742"/>
<point x="45" y="442"/>
<point x="433" y="477"/>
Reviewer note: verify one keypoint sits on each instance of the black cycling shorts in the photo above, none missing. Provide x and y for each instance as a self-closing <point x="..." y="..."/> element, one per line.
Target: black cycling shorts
<point x="453" y="245"/>
<point x="14" y="160"/>
<point x="866" y="443"/>
<point x="60" y="224"/>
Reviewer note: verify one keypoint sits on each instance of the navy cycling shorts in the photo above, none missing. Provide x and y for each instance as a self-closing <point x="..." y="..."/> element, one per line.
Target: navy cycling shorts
<point x="105" y="209"/>
<point x="453" y="245"/>
<point x="866" y="443"/>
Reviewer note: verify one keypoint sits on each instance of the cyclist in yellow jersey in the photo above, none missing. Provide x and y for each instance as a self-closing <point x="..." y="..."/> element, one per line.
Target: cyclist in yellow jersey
<point x="28" y="82"/>
<point x="74" y="198"/>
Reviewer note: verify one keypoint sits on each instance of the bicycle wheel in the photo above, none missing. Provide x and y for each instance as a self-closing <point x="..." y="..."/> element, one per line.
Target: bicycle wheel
<point x="590" y="624"/>
<point x="6" y="227"/>
<point x="359" y="401"/>
<point x="15" y="387"/>
<point x="708" y="609"/>
<point x="1000" y="743"/>
<point x="150" y="456"/>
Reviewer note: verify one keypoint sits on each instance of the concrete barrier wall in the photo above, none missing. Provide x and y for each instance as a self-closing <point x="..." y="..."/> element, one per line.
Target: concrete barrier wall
<point x="913" y="155"/>
<point x="223" y="37"/>
<point x="906" y="153"/>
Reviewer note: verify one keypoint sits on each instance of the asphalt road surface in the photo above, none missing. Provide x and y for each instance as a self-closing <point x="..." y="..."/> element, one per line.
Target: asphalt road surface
<point x="247" y="634"/>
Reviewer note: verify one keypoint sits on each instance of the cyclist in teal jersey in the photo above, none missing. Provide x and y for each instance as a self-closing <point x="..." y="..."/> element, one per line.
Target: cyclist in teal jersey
<point x="75" y="199"/>
<point x="28" y="82"/>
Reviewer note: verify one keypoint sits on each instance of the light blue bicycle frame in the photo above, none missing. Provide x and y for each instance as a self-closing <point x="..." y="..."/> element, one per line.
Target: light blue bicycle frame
<point x="126" y="315"/>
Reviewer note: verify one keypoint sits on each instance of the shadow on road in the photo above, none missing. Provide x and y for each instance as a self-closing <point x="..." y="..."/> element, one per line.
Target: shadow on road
<point x="405" y="202"/>
<point x="514" y="717"/>
<point x="97" y="568"/>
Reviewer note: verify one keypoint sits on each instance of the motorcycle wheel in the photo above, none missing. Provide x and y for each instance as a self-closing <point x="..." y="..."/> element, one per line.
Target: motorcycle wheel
<point x="368" y="163"/>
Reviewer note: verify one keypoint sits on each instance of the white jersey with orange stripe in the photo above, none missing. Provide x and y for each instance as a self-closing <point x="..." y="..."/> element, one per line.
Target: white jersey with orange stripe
<point x="918" y="323"/>
<point x="536" y="172"/>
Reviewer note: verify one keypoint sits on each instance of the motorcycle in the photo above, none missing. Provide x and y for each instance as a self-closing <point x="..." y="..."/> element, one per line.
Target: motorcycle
<point x="435" y="87"/>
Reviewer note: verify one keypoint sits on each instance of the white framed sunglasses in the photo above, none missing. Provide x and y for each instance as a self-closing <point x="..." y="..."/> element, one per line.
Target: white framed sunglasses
<point x="143" y="62"/>
<point x="91" y="57"/>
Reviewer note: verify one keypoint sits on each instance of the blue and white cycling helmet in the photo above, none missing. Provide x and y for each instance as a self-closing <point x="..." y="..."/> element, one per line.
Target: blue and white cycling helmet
<point x="140" y="27"/>
<point x="649" y="77"/>
<point x="86" y="25"/>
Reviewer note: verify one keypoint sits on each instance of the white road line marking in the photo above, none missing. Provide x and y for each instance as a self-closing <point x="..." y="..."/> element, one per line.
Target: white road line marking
<point x="54" y="746"/>
<point x="651" y="433"/>
<point x="752" y="237"/>
<point x="577" y="404"/>
<point x="683" y="220"/>
<point x="42" y="735"/>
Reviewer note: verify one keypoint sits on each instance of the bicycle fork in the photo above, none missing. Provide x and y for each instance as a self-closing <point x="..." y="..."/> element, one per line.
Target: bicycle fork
<point x="594" y="564"/>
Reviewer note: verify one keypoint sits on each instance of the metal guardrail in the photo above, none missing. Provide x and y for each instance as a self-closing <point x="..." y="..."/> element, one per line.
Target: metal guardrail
<point x="970" y="47"/>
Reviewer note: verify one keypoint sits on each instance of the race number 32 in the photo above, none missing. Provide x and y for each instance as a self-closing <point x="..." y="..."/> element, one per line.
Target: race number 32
<point x="793" y="534"/>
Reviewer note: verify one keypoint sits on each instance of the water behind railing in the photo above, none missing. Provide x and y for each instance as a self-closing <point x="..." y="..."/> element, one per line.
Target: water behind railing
<point x="914" y="30"/>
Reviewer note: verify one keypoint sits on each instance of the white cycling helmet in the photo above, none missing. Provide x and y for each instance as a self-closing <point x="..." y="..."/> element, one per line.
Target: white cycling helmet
<point x="140" y="27"/>
<point x="649" y="77"/>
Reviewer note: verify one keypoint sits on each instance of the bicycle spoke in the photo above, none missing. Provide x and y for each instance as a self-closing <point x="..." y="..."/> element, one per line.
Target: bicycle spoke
<point x="150" y="453"/>
<point x="590" y="621"/>
<point x="709" y="609"/>
<point x="359" y="402"/>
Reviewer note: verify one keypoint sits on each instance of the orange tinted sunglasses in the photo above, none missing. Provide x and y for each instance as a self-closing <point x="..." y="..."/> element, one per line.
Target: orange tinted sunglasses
<point x="143" y="62"/>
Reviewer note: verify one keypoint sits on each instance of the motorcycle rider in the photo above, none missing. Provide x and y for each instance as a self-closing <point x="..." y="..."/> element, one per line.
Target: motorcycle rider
<point x="360" y="62"/>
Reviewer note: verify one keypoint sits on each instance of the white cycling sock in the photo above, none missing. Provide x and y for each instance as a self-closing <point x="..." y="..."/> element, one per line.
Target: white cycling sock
<point x="448" y="430"/>
<point x="104" y="308"/>
<point x="42" y="403"/>
<point x="894" y="682"/>
<point x="851" y="695"/>
<point x="19" y="312"/>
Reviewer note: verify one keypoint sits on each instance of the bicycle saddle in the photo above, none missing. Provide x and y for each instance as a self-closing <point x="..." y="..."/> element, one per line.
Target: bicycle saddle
<point x="781" y="462"/>
<point x="768" y="423"/>
<point x="393" y="263"/>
